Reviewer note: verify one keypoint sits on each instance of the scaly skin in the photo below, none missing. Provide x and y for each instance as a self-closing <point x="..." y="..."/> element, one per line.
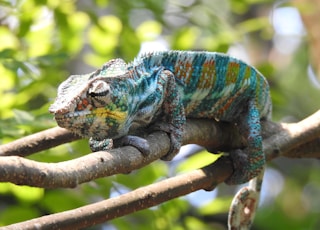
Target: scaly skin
<point x="161" y="90"/>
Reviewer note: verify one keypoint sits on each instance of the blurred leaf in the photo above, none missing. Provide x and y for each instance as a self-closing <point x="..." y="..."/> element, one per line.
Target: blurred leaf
<point x="149" y="30"/>
<point x="252" y="25"/>
<point x="43" y="42"/>
<point x="195" y="223"/>
<point x="197" y="161"/>
<point x="104" y="37"/>
<point x="61" y="200"/>
<point x="27" y="194"/>
<point x="7" y="3"/>
<point x="218" y="205"/>
<point x="186" y="38"/>
<point x="46" y="60"/>
<point x="22" y="116"/>
<point x="147" y="175"/>
<point x="16" y="214"/>
<point x="7" y="53"/>
<point x="8" y="39"/>
<point x="78" y="22"/>
<point x="5" y="187"/>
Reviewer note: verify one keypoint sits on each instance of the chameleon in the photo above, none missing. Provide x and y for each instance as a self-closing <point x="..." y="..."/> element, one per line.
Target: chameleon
<point x="161" y="89"/>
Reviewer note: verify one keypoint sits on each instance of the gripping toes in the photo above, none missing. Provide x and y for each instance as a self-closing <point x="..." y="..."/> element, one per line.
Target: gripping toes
<point x="175" y="136"/>
<point x="248" y="163"/>
<point x="96" y="145"/>
<point x="245" y="166"/>
<point x="174" y="148"/>
<point x="138" y="142"/>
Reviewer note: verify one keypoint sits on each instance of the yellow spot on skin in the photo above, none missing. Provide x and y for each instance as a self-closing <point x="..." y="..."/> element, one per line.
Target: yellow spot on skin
<point x="208" y="75"/>
<point x="184" y="71"/>
<point x="104" y="113"/>
<point x="232" y="72"/>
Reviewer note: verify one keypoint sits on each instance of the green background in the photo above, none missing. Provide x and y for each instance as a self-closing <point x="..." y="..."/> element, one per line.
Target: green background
<point x="43" y="42"/>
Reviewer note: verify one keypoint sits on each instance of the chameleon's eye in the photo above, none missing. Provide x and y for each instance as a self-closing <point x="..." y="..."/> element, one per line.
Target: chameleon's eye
<point x="99" y="93"/>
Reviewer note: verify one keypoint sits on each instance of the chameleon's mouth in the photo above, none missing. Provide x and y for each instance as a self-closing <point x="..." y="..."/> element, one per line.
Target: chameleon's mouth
<point x="117" y="115"/>
<point x="61" y="116"/>
<point x="97" y="113"/>
<point x="99" y="123"/>
<point x="75" y="122"/>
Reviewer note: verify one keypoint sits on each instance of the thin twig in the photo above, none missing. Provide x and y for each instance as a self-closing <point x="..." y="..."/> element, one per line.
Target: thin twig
<point x="37" y="142"/>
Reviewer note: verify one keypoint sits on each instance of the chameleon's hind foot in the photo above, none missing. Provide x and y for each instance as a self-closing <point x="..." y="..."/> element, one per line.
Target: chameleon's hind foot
<point x="244" y="169"/>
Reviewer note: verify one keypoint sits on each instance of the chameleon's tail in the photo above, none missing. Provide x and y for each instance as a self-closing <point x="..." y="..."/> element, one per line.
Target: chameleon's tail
<point x="244" y="205"/>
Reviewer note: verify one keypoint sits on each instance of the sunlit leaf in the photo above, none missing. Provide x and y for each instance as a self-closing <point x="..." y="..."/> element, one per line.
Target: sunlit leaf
<point x="5" y="188"/>
<point x="218" y="205"/>
<point x="186" y="38"/>
<point x="104" y="37"/>
<point x="8" y="39"/>
<point x="197" y="161"/>
<point x="26" y="193"/>
<point x="149" y="30"/>
<point x="195" y="223"/>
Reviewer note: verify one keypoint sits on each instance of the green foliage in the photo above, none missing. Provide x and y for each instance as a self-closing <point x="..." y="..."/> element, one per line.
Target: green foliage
<point x="199" y="160"/>
<point x="42" y="42"/>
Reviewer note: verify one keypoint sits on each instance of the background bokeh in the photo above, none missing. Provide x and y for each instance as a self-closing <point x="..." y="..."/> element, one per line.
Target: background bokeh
<point x="42" y="42"/>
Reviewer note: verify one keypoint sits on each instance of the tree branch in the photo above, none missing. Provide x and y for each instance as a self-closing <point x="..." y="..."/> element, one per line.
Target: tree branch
<point x="291" y="140"/>
<point x="141" y="198"/>
<point x="295" y="140"/>
<point x="37" y="142"/>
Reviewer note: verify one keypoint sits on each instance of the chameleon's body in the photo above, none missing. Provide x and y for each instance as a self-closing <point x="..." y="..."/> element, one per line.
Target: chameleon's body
<point x="162" y="89"/>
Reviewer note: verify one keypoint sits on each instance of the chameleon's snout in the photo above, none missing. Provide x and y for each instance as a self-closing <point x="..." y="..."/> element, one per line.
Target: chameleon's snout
<point x="54" y="110"/>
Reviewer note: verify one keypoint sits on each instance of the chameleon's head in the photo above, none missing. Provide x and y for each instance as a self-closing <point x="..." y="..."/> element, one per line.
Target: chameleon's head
<point x="96" y="104"/>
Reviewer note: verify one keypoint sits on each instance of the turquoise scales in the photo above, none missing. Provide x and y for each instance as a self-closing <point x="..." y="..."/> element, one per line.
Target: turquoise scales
<point x="161" y="89"/>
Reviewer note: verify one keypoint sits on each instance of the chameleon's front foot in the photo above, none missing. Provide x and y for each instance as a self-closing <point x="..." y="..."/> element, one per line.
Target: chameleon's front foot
<point x="245" y="165"/>
<point x="174" y="148"/>
<point x="138" y="142"/>
<point x="175" y="136"/>
<point x="96" y="146"/>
